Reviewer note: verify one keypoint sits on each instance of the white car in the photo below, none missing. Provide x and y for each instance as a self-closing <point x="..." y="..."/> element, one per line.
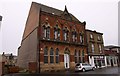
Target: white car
<point x="83" y="67"/>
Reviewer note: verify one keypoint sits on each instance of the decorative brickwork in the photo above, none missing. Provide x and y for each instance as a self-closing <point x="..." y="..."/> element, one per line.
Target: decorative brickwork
<point x="50" y="39"/>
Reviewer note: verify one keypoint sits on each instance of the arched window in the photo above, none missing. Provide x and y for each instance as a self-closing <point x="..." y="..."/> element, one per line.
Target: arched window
<point x="46" y="30"/>
<point x="57" y="55"/>
<point x="100" y="48"/>
<point x="51" y="55"/>
<point x="77" y="56"/>
<point x="81" y="38"/>
<point x="45" y="55"/>
<point x="91" y="36"/>
<point x="99" y="38"/>
<point x="83" y="56"/>
<point x="65" y="34"/>
<point x="93" y="49"/>
<point x="48" y="33"/>
<point x="56" y="32"/>
<point x="74" y="36"/>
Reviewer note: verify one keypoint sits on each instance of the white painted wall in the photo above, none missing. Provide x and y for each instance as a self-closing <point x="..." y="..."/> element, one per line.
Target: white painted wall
<point x="91" y="61"/>
<point x="66" y="60"/>
<point x="105" y="62"/>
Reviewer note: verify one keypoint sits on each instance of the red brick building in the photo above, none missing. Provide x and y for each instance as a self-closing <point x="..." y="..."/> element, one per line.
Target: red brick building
<point x="52" y="40"/>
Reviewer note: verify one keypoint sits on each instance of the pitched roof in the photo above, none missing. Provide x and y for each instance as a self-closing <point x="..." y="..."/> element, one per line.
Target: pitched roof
<point x="94" y="31"/>
<point x="111" y="47"/>
<point x="54" y="10"/>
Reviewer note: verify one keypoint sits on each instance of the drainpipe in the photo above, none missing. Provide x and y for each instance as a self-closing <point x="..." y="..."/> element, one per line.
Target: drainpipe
<point x="38" y="45"/>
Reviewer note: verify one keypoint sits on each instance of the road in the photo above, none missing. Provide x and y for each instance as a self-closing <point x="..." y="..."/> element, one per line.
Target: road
<point x="111" y="71"/>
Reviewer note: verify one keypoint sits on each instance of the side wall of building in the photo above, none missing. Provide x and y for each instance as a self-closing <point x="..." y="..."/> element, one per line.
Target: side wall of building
<point x="28" y="50"/>
<point x="32" y="20"/>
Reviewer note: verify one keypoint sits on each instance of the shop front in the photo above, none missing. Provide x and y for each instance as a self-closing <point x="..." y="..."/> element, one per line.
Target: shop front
<point x="97" y="61"/>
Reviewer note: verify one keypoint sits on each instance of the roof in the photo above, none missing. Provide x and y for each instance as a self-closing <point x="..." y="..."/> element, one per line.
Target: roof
<point x="54" y="11"/>
<point x="94" y="31"/>
<point x="111" y="47"/>
<point x="8" y="54"/>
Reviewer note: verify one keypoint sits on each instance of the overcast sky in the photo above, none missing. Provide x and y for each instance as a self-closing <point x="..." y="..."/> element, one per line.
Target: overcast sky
<point x="100" y="15"/>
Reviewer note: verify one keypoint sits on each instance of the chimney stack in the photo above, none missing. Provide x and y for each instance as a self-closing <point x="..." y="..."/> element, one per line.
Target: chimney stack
<point x="0" y="20"/>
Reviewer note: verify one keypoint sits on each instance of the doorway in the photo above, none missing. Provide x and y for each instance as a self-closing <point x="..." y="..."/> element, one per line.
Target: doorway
<point x="66" y="61"/>
<point x="111" y="62"/>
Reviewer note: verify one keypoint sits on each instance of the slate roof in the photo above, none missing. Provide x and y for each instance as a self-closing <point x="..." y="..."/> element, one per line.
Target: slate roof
<point x="94" y="31"/>
<point x="111" y="47"/>
<point x="57" y="12"/>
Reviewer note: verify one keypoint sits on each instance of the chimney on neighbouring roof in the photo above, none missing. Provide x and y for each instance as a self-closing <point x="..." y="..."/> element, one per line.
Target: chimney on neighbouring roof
<point x="0" y="18"/>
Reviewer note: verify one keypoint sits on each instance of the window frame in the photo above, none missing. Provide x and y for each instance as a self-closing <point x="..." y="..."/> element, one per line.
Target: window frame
<point x="77" y="56"/>
<point x="100" y="48"/>
<point x="92" y="48"/>
<point x="56" y="33"/>
<point x="91" y="36"/>
<point x="74" y="36"/>
<point x="83" y="56"/>
<point x="65" y="35"/>
<point x="51" y="56"/>
<point x="45" y="55"/>
<point x="57" y="56"/>
<point x="48" y="33"/>
<point x="46" y="30"/>
<point x="98" y="38"/>
<point x="81" y="39"/>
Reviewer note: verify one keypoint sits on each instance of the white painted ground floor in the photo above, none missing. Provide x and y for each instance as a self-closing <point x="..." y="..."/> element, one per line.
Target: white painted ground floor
<point x="97" y="61"/>
<point x="111" y="60"/>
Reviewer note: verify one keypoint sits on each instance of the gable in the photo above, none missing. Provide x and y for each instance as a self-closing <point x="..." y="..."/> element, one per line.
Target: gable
<point x="33" y="17"/>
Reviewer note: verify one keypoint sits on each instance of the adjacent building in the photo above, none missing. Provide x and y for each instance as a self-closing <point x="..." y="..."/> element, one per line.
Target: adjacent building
<point x="111" y="55"/>
<point x="95" y="47"/>
<point x="53" y="40"/>
<point x="7" y="61"/>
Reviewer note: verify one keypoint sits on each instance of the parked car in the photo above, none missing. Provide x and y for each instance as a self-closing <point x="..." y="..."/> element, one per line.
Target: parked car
<point x="83" y="67"/>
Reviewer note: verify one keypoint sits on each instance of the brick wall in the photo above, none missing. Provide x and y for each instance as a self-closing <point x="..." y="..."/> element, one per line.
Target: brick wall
<point x="28" y="50"/>
<point x="61" y="47"/>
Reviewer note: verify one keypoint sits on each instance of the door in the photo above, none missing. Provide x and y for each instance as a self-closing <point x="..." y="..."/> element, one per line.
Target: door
<point x="111" y="62"/>
<point x="66" y="61"/>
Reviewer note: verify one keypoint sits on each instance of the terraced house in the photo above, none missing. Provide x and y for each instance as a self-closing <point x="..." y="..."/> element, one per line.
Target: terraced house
<point x="95" y="48"/>
<point x="52" y="40"/>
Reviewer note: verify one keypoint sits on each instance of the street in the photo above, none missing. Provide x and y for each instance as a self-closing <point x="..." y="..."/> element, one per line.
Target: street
<point x="110" y="71"/>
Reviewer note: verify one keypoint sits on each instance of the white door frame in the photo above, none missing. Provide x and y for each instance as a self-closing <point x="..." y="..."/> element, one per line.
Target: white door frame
<point x="66" y="61"/>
